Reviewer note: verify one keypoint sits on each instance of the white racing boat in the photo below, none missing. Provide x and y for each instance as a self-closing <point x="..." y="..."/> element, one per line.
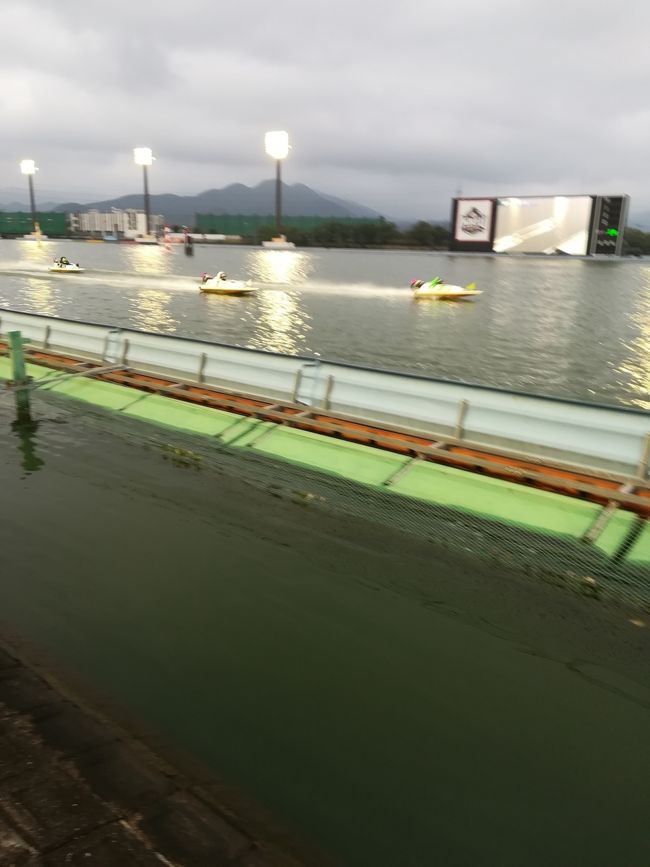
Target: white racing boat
<point x="63" y="266"/>
<point x="279" y="243"/>
<point x="221" y="285"/>
<point x="438" y="289"/>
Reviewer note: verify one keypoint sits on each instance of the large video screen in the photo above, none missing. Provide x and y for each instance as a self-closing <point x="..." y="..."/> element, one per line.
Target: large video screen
<point x="473" y="220"/>
<point x="546" y="224"/>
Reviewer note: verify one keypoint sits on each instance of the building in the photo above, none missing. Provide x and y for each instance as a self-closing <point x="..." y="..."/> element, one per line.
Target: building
<point x="127" y="223"/>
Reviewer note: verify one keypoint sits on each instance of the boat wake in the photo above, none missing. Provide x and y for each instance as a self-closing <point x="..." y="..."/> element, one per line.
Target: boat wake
<point x="359" y="290"/>
<point x="135" y="280"/>
<point x="97" y="277"/>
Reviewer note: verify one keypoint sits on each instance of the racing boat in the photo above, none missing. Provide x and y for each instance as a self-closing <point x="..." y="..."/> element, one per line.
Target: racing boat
<point x="442" y="291"/>
<point x="221" y="285"/>
<point x="62" y="266"/>
<point x="36" y="235"/>
<point x="279" y="243"/>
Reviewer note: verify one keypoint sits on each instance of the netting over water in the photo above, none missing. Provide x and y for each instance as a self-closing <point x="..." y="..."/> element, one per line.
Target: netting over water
<point x="568" y="562"/>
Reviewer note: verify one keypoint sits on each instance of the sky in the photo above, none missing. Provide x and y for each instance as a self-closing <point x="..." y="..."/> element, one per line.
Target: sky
<point x="396" y="105"/>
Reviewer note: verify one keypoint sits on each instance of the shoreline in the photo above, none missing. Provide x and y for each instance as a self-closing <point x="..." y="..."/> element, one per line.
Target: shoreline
<point x="76" y="784"/>
<point x="371" y="249"/>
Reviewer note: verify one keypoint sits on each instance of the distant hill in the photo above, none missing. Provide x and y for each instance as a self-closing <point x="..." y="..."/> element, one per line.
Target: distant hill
<point x="47" y="198"/>
<point x="360" y="210"/>
<point x="12" y="207"/>
<point x="297" y="200"/>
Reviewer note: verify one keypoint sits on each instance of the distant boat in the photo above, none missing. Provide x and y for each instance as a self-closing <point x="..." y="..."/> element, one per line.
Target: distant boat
<point x="146" y="239"/>
<point x="36" y="235"/>
<point x="279" y="243"/>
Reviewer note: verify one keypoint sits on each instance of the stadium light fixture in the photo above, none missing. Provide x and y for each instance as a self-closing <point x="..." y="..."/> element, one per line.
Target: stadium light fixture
<point x="276" y="144"/>
<point x="29" y="168"/>
<point x="144" y="157"/>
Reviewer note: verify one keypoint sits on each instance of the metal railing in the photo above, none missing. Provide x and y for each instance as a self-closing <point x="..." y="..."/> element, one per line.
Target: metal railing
<point x="607" y="437"/>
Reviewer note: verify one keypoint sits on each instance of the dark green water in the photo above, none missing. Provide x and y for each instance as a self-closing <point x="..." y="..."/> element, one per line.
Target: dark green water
<point x="396" y="705"/>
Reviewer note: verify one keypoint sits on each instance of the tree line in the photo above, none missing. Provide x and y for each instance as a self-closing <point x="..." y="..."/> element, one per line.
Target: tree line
<point x="364" y="233"/>
<point x="636" y="242"/>
<point x="383" y="233"/>
<point x="423" y="235"/>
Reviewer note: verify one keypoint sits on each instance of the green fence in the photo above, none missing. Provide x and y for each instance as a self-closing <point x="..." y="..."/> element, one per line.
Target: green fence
<point x="249" y="224"/>
<point x="20" y="223"/>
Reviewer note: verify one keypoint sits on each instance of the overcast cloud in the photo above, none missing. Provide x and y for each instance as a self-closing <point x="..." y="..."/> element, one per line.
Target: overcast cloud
<point x="393" y="104"/>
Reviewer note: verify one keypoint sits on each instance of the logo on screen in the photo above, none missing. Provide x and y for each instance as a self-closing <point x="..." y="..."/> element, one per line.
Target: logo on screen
<point x="473" y="222"/>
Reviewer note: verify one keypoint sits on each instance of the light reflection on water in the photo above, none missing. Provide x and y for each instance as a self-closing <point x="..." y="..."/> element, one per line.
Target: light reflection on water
<point x="43" y="294"/>
<point x="280" y="266"/>
<point x="636" y="367"/>
<point x="282" y="323"/>
<point x="150" y="310"/>
<point x="35" y="252"/>
<point x="147" y="258"/>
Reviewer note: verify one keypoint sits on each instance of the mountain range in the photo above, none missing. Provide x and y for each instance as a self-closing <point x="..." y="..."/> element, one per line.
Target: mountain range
<point x="297" y="200"/>
<point x="24" y="207"/>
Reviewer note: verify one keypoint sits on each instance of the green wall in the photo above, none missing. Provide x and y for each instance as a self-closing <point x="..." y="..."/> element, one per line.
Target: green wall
<point x="20" y="223"/>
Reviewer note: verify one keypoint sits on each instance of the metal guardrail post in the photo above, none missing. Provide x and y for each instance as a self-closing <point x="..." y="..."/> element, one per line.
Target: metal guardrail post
<point x="296" y="385"/>
<point x="203" y="358"/>
<point x="17" y="355"/>
<point x="462" y="412"/>
<point x="329" y="385"/>
<point x="107" y="339"/>
<point x="645" y="457"/>
<point x="19" y="374"/>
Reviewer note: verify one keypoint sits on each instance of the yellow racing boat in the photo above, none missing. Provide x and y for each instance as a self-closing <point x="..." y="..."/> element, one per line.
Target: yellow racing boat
<point x="437" y="289"/>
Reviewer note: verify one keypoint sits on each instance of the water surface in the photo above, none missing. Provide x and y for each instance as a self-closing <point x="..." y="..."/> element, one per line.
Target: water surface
<point x="565" y="327"/>
<point x="397" y="705"/>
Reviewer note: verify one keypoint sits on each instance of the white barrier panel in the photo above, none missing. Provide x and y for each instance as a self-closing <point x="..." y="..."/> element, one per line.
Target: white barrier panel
<point x="59" y="334"/>
<point x="586" y="433"/>
<point x="487" y="415"/>
<point x="225" y="366"/>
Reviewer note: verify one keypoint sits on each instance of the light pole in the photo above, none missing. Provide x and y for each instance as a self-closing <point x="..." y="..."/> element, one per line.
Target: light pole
<point x="144" y="157"/>
<point x="276" y="144"/>
<point x="28" y="167"/>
